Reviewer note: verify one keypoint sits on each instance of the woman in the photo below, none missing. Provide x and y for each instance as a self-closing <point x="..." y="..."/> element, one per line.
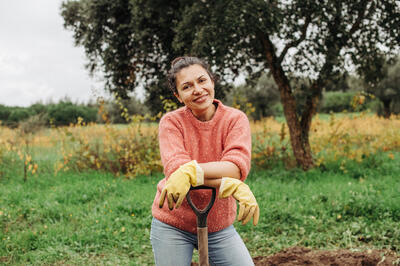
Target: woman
<point x="202" y="143"/>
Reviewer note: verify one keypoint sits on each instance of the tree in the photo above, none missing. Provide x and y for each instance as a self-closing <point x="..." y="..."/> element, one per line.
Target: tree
<point x="127" y="40"/>
<point x="313" y="39"/>
<point x="382" y="78"/>
<point x="339" y="82"/>
<point x="263" y="95"/>
<point x="130" y="41"/>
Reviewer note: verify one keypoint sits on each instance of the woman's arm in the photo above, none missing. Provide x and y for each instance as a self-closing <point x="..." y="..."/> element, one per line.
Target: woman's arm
<point x="214" y="171"/>
<point x="213" y="182"/>
<point x="220" y="169"/>
<point x="237" y="146"/>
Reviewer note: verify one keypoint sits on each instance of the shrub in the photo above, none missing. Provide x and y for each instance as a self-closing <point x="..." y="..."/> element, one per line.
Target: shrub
<point x="38" y="108"/>
<point x="118" y="108"/>
<point x="336" y="101"/>
<point x="33" y="124"/>
<point x="4" y="112"/>
<point x="65" y="113"/>
<point x="17" y="115"/>
<point x="130" y="150"/>
<point x="270" y="149"/>
<point x="257" y="99"/>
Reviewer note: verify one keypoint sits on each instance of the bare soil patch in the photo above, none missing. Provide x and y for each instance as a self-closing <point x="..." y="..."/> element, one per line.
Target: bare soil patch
<point x="296" y="256"/>
<point x="305" y="256"/>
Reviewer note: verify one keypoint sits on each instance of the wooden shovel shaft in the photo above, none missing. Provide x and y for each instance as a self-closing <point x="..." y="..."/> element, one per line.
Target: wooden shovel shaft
<point x="202" y="241"/>
<point x="202" y="230"/>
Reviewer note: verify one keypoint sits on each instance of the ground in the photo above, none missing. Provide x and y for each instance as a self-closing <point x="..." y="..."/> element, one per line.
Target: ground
<point x="296" y="256"/>
<point x="305" y="256"/>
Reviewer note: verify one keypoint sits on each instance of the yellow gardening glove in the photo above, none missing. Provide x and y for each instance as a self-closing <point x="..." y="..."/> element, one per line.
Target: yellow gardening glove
<point x="178" y="184"/>
<point x="248" y="206"/>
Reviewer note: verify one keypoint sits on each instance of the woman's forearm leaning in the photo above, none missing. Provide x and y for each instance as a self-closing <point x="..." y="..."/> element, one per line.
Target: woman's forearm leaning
<point x="217" y="170"/>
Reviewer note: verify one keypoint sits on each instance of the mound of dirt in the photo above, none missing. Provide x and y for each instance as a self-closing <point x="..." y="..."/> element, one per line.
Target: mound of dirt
<point x="296" y="256"/>
<point x="305" y="256"/>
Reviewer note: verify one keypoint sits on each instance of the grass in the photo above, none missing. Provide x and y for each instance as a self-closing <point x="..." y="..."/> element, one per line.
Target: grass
<point x="327" y="209"/>
<point x="87" y="218"/>
<point x="92" y="218"/>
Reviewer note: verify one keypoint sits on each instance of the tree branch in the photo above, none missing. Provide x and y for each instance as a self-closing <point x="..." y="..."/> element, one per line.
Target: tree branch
<point x="360" y="17"/>
<point x="296" y="42"/>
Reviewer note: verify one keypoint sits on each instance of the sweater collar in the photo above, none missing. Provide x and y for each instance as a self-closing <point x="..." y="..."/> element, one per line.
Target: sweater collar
<point x="206" y="124"/>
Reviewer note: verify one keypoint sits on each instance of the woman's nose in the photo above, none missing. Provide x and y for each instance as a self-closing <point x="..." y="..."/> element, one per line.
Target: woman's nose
<point x="197" y="88"/>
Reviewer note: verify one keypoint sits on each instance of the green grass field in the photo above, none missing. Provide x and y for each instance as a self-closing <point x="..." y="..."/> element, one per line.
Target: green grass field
<point x="92" y="218"/>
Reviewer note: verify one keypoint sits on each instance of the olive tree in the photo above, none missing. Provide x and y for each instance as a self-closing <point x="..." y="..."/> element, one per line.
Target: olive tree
<point x="134" y="40"/>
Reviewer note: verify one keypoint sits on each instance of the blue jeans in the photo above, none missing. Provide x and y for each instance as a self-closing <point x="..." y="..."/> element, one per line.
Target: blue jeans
<point x="174" y="247"/>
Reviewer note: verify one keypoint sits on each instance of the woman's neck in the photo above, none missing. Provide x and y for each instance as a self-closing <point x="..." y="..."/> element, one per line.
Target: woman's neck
<point x="208" y="114"/>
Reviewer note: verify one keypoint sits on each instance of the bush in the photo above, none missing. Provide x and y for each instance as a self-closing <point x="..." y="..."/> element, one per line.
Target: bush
<point x="4" y="112"/>
<point x="65" y="113"/>
<point x="60" y="114"/>
<point x="17" y="115"/>
<point x="258" y="99"/>
<point x="115" y="109"/>
<point x="132" y="150"/>
<point x="336" y="101"/>
<point x="38" y="108"/>
<point x="33" y="124"/>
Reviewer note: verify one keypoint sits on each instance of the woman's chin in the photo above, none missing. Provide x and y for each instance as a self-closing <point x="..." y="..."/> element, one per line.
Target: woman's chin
<point x="203" y="110"/>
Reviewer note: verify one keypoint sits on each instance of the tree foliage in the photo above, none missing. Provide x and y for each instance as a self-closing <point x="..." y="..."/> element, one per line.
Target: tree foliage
<point x="386" y="85"/>
<point x="136" y="39"/>
<point x="263" y="95"/>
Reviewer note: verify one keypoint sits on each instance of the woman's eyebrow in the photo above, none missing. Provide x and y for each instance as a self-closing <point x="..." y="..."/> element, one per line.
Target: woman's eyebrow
<point x="186" y="82"/>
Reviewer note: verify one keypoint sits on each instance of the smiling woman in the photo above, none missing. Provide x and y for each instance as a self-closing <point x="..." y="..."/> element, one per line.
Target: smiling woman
<point x="202" y="143"/>
<point x="195" y="89"/>
<point x="193" y="85"/>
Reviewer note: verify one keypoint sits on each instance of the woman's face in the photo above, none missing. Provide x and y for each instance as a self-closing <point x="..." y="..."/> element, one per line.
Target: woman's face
<point x="196" y="90"/>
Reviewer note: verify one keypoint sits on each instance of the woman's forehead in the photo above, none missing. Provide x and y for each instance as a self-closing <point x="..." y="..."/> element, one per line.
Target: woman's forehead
<point x="190" y="73"/>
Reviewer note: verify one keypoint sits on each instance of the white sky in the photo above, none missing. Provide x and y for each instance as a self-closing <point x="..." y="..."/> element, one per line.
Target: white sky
<point x="38" y="59"/>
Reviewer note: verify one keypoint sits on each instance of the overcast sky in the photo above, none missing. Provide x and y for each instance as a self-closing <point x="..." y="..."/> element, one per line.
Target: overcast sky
<point x="38" y="59"/>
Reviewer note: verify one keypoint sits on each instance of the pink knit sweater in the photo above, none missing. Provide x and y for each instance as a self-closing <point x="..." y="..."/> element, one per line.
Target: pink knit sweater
<point x="183" y="138"/>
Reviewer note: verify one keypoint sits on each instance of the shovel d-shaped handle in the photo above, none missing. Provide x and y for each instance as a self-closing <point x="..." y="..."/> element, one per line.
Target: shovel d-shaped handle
<point x="201" y="214"/>
<point x="202" y="230"/>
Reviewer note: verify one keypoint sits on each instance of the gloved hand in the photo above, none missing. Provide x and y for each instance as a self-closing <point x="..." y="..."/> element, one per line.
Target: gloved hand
<point x="178" y="184"/>
<point x="248" y="206"/>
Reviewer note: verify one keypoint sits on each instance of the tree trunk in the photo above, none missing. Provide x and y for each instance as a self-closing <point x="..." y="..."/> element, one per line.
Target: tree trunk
<point x="298" y="131"/>
<point x="386" y="108"/>
<point x="308" y="113"/>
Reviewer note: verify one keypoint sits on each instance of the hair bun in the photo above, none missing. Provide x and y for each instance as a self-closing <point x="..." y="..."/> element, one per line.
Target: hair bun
<point x="176" y="60"/>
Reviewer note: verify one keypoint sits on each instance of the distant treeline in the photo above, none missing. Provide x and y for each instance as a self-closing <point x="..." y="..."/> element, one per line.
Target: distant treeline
<point x="62" y="113"/>
<point x="262" y="103"/>
<point x="66" y="112"/>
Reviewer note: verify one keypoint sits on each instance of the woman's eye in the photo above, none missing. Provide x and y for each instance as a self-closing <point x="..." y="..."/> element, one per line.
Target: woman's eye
<point x="201" y="80"/>
<point x="185" y="87"/>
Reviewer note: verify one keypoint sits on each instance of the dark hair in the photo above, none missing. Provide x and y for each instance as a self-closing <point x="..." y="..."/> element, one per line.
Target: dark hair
<point x="182" y="62"/>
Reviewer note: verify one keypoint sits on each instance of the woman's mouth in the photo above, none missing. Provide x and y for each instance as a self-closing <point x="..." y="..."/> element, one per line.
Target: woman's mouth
<point x="200" y="99"/>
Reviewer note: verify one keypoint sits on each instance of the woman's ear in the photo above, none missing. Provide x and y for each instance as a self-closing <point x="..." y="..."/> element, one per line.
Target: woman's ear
<point x="178" y="97"/>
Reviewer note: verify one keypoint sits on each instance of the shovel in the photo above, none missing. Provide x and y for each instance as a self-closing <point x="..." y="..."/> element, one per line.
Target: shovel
<point x="202" y="230"/>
